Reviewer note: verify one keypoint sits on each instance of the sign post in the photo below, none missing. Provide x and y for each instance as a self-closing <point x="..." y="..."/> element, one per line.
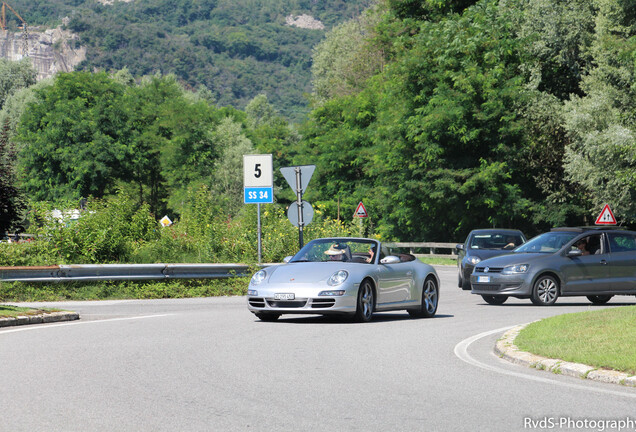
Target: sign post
<point x="258" y="182"/>
<point x="300" y="213"/>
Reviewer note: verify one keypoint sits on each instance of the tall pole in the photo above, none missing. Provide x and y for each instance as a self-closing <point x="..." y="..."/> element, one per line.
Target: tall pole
<point x="258" y="218"/>
<point x="299" y="201"/>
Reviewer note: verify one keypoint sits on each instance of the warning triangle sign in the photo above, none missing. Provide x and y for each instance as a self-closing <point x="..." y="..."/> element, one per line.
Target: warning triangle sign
<point x="361" y="211"/>
<point x="606" y="217"/>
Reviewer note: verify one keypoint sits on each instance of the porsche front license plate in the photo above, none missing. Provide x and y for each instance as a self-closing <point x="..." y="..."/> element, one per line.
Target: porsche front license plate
<point x="483" y="279"/>
<point x="284" y="296"/>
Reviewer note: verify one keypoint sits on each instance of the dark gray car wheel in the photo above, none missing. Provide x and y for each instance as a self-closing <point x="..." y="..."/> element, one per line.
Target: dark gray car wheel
<point x="366" y="302"/>
<point x="599" y="299"/>
<point x="466" y="285"/>
<point x="494" y="300"/>
<point x="267" y="316"/>
<point x="430" y="299"/>
<point x="545" y="291"/>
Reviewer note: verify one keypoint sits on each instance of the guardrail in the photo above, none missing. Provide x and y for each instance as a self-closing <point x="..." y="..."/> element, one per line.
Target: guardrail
<point x="431" y="246"/>
<point x="102" y="272"/>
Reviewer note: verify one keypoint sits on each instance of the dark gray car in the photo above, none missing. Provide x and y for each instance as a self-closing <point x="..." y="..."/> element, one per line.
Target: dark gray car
<point x="595" y="262"/>
<point x="482" y="244"/>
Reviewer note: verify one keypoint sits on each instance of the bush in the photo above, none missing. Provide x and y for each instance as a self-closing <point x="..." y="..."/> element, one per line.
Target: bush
<point x="108" y="232"/>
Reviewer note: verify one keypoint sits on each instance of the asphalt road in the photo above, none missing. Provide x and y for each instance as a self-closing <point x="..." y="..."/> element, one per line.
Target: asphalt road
<point x="210" y="365"/>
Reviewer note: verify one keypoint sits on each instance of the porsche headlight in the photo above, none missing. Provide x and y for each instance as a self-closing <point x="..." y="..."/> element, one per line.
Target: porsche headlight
<point x="258" y="277"/>
<point x="473" y="259"/>
<point x="515" y="269"/>
<point x="338" y="277"/>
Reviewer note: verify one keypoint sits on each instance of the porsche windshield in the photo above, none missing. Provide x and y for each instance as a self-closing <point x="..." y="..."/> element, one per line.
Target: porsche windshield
<point x="344" y="250"/>
<point x="549" y="242"/>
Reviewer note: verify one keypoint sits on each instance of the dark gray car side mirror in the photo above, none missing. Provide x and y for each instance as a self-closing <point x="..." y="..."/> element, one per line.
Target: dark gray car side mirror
<point x="574" y="253"/>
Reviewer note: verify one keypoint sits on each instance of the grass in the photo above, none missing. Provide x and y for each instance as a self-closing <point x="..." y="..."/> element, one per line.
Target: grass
<point x="603" y="339"/>
<point x="439" y="261"/>
<point x="7" y="311"/>
<point x="113" y="290"/>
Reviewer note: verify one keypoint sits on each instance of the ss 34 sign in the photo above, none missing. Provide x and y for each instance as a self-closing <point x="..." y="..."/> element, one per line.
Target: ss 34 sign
<point x="258" y="179"/>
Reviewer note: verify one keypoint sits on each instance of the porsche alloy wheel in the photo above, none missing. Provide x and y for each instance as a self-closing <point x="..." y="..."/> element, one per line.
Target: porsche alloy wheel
<point x="430" y="298"/>
<point x="366" y="303"/>
<point x="545" y="291"/>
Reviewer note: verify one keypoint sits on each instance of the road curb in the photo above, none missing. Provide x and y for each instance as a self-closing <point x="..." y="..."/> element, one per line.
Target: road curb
<point x="42" y="318"/>
<point x="506" y="349"/>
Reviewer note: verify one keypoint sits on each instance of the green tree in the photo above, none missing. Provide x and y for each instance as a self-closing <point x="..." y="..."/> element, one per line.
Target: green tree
<point x="17" y="102"/>
<point x="11" y="199"/>
<point x="601" y="124"/>
<point x="13" y="76"/>
<point x="227" y="178"/>
<point x="346" y="58"/>
<point x="72" y="142"/>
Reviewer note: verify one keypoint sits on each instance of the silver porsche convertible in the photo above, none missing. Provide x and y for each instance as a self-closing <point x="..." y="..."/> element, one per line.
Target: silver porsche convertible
<point x="353" y="276"/>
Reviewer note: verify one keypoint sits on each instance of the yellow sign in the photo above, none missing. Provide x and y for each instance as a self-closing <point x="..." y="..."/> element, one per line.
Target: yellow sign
<point x="165" y="221"/>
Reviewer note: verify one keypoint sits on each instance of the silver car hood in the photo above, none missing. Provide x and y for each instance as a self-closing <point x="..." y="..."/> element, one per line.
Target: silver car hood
<point x="307" y="272"/>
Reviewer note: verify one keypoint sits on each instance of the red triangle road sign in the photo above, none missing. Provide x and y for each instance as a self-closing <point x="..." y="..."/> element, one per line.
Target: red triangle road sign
<point x="361" y="211"/>
<point x="606" y="217"/>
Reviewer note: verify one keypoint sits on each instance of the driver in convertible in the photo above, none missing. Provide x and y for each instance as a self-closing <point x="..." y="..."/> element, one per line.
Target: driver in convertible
<point x="339" y="252"/>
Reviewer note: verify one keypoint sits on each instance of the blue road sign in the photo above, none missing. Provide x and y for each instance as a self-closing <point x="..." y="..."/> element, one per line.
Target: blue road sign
<point x="259" y="195"/>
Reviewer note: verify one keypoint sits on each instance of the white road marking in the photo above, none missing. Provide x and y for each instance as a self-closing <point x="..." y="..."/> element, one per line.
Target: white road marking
<point x="461" y="351"/>
<point x="76" y="322"/>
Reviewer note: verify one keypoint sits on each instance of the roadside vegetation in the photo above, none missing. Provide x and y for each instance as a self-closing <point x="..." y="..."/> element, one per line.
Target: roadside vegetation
<point x="603" y="338"/>
<point x="441" y="116"/>
<point x="8" y="311"/>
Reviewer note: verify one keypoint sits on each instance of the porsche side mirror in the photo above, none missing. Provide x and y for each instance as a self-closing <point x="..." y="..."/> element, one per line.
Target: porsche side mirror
<point x="460" y="246"/>
<point x="391" y="259"/>
<point x="287" y="259"/>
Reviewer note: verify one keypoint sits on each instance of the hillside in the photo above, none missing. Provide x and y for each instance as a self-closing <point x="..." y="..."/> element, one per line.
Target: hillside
<point x="236" y="48"/>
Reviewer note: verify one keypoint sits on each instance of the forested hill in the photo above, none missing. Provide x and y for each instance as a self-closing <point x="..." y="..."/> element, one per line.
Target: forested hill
<point x="236" y="48"/>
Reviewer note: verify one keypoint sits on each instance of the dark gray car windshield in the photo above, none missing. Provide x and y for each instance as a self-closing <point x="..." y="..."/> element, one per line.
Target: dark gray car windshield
<point x="549" y="242"/>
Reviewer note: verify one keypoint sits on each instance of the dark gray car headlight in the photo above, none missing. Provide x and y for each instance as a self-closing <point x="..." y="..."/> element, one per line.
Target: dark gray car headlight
<point x="473" y="259"/>
<point x="337" y="278"/>
<point x="258" y="277"/>
<point x="516" y="269"/>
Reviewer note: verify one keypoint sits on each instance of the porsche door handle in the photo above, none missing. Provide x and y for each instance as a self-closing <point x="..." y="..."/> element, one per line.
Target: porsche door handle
<point x="603" y="262"/>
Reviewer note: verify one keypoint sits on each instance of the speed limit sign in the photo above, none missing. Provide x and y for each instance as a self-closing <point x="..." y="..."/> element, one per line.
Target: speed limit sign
<point x="258" y="179"/>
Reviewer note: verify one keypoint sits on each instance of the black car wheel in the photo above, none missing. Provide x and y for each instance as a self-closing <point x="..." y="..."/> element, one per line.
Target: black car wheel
<point x="545" y="291"/>
<point x="461" y="282"/>
<point x="494" y="300"/>
<point x="365" y="304"/>
<point x="430" y="299"/>
<point x="267" y="316"/>
<point x="599" y="299"/>
<point x="466" y="285"/>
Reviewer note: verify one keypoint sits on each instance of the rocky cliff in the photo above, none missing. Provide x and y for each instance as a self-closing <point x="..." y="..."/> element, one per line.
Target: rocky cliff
<point x="50" y="51"/>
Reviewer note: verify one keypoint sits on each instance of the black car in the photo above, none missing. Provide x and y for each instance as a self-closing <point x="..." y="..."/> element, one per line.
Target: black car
<point x="482" y="244"/>
<point x="595" y="262"/>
